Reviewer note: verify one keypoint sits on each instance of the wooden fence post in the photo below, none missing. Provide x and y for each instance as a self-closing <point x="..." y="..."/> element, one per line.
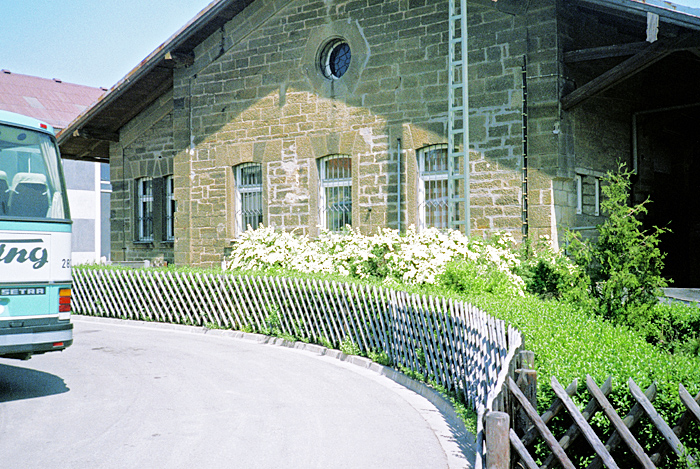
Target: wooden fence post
<point x="526" y="378"/>
<point x="497" y="427"/>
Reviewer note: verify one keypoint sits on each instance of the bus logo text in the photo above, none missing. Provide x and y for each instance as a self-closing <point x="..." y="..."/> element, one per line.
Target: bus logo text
<point x="39" y="256"/>
<point x="22" y="291"/>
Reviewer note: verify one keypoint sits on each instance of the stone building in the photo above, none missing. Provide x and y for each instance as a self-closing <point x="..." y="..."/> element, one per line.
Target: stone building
<point x="308" y="113"/>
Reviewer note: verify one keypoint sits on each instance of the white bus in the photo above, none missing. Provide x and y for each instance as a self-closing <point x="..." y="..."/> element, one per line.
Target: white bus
<point x="35" y="241"/>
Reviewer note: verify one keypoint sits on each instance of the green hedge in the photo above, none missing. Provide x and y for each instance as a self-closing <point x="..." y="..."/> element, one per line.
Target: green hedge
<point x="570" y="343"/>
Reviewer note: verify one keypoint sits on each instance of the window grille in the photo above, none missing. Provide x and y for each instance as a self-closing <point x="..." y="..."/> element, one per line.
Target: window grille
<point x="249" y="204"/>
<point x="335" y="198"/>
<point x="433" y="188"/>
<point x="170" y="208"/>
<point x="335" y="59"/>
<point x="145" y="209"/>
<point x="578" y="181"/>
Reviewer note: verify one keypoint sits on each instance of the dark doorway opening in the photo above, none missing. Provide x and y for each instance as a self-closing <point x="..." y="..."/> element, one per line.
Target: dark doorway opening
<point x="669" y="172"/>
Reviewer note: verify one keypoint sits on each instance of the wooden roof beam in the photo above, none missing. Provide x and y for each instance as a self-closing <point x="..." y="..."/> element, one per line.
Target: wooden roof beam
<point x="635" y="64"/>
<point x="606" y="52"/>
<point x="89" y="154"/>
<point x="179" y="59"/>
<point x="95" y="134"/>
<point x="139" y="102"/>
<point x="89" y="150"/>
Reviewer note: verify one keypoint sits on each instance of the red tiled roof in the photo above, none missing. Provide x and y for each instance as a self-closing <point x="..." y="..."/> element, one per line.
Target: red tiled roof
<point x="52" y="101"/>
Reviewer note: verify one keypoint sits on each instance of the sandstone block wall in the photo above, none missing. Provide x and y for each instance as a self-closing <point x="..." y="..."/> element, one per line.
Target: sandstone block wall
<point x="255" y="93"/>
<point x="145" y="150"/>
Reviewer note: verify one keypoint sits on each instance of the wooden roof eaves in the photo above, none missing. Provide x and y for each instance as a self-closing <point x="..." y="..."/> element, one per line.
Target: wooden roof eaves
<point x="181" y="42"/>
<point x="686" y="17"/>
<point x="638" y="62"/>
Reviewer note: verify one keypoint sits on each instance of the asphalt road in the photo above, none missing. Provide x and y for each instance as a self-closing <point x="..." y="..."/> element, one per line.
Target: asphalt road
<point x="133" y="395"/>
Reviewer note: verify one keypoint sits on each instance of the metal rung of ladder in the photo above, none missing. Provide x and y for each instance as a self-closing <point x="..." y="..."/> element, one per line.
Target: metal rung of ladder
<point x="458" y="120"/>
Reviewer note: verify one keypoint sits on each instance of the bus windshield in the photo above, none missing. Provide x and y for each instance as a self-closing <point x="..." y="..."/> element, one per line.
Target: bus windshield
<point x="31" y="183"/>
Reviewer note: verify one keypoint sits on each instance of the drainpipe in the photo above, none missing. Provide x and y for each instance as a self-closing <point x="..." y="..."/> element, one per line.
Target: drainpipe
<point x="525" y="226"/>
<point x="125" y="212"/>
<point x="190" y="152"/>
<point x="190" y="118"/>
<point x="398" y="184"/>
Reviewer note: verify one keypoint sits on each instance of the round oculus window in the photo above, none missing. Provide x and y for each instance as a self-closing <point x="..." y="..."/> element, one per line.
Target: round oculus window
<point x="335" y="59"/>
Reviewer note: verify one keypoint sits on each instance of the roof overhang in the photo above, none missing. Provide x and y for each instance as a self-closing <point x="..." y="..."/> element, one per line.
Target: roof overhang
<point x="89" y="136"/>
<point x="686" y="17"/>
<point x="681" y="37"/>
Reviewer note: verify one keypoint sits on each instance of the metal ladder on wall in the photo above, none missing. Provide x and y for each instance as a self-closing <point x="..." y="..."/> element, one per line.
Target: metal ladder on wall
<point x="458" y="213"/>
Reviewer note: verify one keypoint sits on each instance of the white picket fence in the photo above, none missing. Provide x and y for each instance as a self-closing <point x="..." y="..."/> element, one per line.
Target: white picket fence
<point x="459" y="346"/>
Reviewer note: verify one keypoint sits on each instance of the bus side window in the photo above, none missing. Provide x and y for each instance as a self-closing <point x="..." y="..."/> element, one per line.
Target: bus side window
<point x="4" y="192"/>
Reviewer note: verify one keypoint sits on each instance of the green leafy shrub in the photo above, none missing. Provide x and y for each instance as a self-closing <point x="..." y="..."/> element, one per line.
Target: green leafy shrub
<point x="273" y="324"/>
<point x="380" y="357"/>
<point x="624" y="263"/>
<point x="469" y="278"/>
<point x="348" y="347"/>
<point x="690" y="347"/>
<point x="549" y="274"/>
<point x="673" y="327"/>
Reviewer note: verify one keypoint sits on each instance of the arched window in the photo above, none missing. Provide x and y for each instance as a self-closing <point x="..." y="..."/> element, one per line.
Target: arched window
<point x="145" y="209"/>
<point x="170" y="208"/>
<point x="433" y="187"/>
<point x="249" y="203"/>
<point x="335" y="198"/>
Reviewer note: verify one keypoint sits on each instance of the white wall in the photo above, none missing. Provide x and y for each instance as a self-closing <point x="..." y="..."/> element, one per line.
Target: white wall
<point x="85" y="199"/>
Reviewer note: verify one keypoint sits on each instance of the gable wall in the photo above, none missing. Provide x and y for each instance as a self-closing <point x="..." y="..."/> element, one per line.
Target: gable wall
<point x="254" y="94"/>
<point x="263" y="100"/>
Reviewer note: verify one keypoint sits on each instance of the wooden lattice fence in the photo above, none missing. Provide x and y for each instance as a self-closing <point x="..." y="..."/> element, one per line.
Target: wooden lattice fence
<point x="522" y="426"/>
<point x="455" y="344"/>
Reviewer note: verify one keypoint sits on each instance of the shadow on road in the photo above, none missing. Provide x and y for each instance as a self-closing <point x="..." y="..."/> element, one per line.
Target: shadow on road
<point x="465" y="440"/>
<point x="18" y="383"/>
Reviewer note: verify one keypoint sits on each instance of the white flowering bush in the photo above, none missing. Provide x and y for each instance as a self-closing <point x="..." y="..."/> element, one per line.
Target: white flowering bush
<point x="412" y="258"/>
<point x="267" y="248"/>
<point x="422" y="257"/>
